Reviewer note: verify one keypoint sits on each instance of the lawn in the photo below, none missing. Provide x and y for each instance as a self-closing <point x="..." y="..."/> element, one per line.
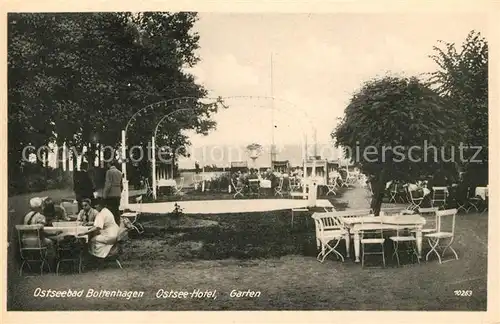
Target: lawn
<point x="261" y="252"/>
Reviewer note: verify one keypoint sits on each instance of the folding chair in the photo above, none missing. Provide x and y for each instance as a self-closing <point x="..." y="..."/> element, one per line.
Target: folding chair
<point x="403" y="237"/>
<point x="115" y="253"/>
<point x="197" y="179"/>
<point x="474" y="201"/>
<point x="393" y="193"/>
<point x="70" y="250"/>
<point x="442" y="233"/>
<point x="133" y="216"/>
<point x="328" y="229"/>
<point x="439" y="195"/>
<point x="332" y="186"/>
<point x="278" y="191"/>
<point x="372" y="236"/>
<point x="149" y="189"/>
<point x="462" y="200"/>
<point x="414" y="201"/>
<point x="429" y="214"/>
<point x="237" y="189"/>
<point x="179" y="186"/>
<point x="32" y="247"/>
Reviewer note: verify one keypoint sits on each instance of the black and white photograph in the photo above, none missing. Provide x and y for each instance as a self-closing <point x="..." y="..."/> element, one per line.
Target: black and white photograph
<point x="198" y="160"/>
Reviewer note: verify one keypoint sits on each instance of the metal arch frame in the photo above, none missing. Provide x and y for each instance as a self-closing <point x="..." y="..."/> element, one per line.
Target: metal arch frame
<point x="167" y="102"/>
<point x="153" y="147"/>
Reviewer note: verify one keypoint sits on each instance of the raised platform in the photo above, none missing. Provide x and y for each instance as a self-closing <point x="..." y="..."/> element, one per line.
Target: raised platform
<point x="227" y="206"/>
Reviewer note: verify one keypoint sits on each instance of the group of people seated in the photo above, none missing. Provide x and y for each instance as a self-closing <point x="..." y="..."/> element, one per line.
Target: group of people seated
<point x="103" y="233"/>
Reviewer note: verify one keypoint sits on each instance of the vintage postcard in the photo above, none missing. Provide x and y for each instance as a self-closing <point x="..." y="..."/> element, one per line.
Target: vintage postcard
<point x="223" y="158"/>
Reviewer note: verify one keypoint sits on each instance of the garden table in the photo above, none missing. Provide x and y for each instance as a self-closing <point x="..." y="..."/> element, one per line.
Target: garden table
<point x="166" y="183"/>
<point x="265" y="183"/>
<point x="67" y="230"/>
<point x="359" y="223"/>
<point x="482" y="192"/>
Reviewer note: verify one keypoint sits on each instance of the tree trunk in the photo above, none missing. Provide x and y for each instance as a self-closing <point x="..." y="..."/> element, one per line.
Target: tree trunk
<point x="174" y="175"/>
<point x="59" y="157"/>
<point x="91" y="154"/>
<point x="75" y="162"/>
<point x="378" y="186"/>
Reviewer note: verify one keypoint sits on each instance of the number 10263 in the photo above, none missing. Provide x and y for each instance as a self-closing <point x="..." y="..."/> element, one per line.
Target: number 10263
<point x="463" y="293"/>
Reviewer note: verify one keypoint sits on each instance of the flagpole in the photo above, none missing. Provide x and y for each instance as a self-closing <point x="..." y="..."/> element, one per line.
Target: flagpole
<point x="272" y="114"/>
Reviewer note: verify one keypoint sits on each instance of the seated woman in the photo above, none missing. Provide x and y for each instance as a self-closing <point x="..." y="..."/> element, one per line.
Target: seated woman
<point x="103" y="235"/>
<point x="35" y="217"/>
<point x="88" y="214"/>
<point x="53" y="212"/>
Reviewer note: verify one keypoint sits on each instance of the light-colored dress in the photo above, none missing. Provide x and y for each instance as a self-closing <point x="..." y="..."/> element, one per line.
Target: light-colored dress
<point x="101" y="244"/>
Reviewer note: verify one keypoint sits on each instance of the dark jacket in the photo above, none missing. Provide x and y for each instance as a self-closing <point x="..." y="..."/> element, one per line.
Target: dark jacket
<point x="83" y="185"/>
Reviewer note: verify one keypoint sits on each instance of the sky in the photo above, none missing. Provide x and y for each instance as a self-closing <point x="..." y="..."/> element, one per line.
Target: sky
<point x="318" y="63"/>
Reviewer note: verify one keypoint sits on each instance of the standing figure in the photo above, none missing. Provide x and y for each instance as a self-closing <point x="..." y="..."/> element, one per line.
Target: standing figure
<point x="113" y="190"/>
<point x="84" y="187"/>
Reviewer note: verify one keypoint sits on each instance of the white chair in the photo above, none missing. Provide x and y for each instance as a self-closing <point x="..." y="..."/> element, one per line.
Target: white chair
<point x="443" y="233"/>
<point x="278" y="191"/>
<point x="473" y="200"/>
<point x="393" y="193"/>
<point x="238" y="189"/>
<point x="372" y="236"/>
<point x="179" y="186"/>
<point x="149" y="189"/>
<point x="328" y="229"/>
<point x="439" y="195"/>
<point x="299" y="210"/>
<point x="197" y="179"/>
<point x="430" y="216"/>
<point x="131" y="218"/>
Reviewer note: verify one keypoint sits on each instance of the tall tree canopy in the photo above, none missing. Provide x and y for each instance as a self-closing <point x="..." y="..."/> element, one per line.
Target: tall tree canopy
<point x="387" y="125"/>
<point x="78" y="78"/>
<point x="462" y="78"/>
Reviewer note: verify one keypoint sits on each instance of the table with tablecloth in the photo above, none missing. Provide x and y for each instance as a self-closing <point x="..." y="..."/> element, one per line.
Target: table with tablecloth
<point x="62" y="231"/>
<point x="166" y="183"/>
<point x="482" y="192"/>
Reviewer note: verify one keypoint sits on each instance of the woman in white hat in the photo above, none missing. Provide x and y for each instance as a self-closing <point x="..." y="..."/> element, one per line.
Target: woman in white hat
<point x="35" y="217"/>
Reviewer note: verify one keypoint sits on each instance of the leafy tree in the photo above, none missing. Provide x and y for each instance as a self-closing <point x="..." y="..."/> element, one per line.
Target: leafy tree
<point x="386" y="127"/>
<point x="78" y="78"/>
<point x="462" y="79"/>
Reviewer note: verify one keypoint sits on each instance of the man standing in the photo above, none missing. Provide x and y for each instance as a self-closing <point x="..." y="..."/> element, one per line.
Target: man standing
<point x="113" y="190"/>
<point x="85" y="189"/>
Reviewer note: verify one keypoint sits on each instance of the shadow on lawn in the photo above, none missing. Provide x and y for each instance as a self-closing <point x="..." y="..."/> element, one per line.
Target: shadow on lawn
<point x="215" y="237"/>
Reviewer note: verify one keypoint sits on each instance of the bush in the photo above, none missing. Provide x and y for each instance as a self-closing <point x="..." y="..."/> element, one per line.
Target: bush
<point x="35" y="178"/>
<point x="221" y="182"/>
